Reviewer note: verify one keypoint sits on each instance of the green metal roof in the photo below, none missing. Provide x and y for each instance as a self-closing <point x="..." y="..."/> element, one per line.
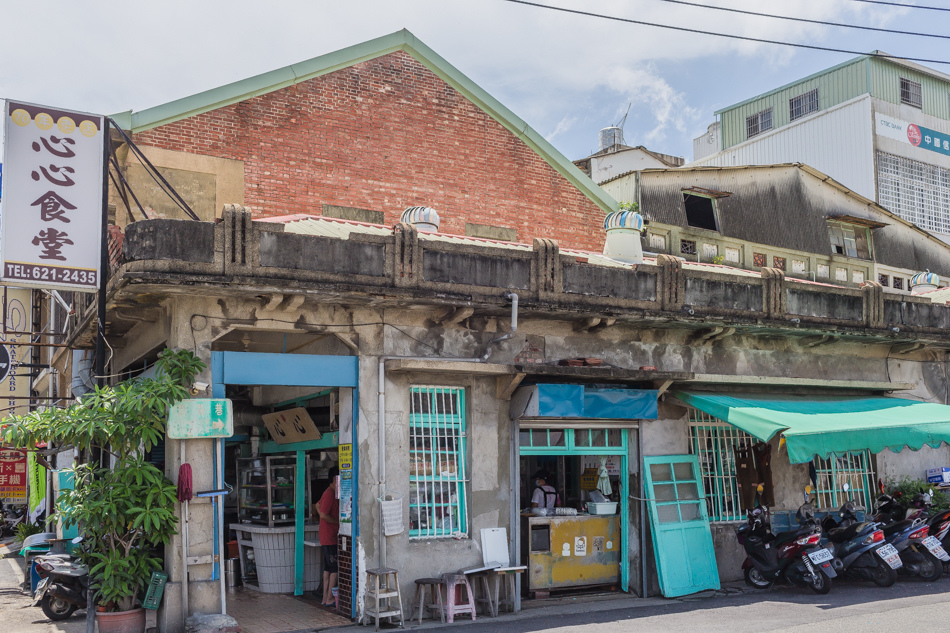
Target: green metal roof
<point x="318" y="66"/>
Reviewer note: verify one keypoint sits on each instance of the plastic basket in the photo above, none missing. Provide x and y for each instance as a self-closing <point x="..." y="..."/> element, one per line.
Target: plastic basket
<point x="156" y="589"/>
<point x="608" y="507"/>
<point x="392" y="516"/>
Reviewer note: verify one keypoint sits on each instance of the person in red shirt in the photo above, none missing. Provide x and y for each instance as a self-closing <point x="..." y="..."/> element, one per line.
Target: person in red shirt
<point x="329" y="511"/>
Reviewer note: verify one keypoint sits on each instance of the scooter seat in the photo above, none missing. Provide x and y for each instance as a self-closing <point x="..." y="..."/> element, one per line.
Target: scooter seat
<point x="894" y="528"/>
<point x="843" y="534"/>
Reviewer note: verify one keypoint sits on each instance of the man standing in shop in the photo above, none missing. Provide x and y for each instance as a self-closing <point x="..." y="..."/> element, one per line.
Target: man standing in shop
<point x="545" y="497"/>
<point x="329" y="510"/>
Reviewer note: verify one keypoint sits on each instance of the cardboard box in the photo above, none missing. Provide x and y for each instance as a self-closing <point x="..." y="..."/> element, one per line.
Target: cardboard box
<point x="938" y="475"/>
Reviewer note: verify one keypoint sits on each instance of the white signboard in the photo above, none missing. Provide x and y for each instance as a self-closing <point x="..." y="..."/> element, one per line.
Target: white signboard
<point x="15" y="381"/>
<point x="51" y="227"/>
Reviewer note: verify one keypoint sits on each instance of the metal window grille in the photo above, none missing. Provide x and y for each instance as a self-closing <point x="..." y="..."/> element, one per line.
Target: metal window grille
<point x="758" y="123"/>
<point x="856" y="469"/>
<point x="437" y="451"/>
<point x="911" y="93"/>
<point x="884" y="280"/>
<point x="687" y="247"/>
<point x="803" y="104"/>
<point x="898" y="282"/>
<point x="713" y="442"/>
<point x="915" y="191"/>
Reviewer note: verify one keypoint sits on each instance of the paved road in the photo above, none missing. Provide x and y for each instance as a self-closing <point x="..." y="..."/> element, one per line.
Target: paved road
<point x="16" y="613"/>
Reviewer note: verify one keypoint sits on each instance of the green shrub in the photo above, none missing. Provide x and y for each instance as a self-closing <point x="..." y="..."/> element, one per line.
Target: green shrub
<point x="908" y="487"/>
<point x="26" y="529"/>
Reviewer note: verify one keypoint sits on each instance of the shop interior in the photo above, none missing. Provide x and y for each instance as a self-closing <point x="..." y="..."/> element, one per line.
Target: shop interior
<point x="272" y="425"/>
<point x="576" y="546"/>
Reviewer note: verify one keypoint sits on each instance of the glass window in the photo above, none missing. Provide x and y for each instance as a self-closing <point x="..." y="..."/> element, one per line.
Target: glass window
<point x="437" y="503"/>
<point x="758" y="123"/>
<point x="911" y="93"/>
<point x="917" y="192"/>
<point x="803" y="104"/>
<point x="714" y="441"/>
<point x="856" y="469"/>
<point x="848" y="240"/>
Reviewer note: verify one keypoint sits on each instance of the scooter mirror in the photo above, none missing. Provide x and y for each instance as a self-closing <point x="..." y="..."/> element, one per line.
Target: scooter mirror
<point x="846" y="487"/>
<point x="931" y="493"/>
<point x="760" y="488"/>
<point x="77" y="540"/>
<point x="807" y="490"/>
<point x="880" y="485"/>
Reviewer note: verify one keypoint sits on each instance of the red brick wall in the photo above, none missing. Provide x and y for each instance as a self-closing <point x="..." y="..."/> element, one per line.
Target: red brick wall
<point x="387" y="134"/>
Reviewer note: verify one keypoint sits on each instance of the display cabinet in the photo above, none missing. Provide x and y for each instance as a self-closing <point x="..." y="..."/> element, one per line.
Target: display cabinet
<point x="267" y="492"/>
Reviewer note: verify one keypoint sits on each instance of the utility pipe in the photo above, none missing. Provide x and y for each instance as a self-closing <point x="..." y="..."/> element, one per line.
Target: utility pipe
<point x="381" y="414"/>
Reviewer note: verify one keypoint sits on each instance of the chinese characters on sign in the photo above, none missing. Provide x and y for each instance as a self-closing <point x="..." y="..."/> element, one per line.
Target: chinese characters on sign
<point x="12" y="476"/>
<point x="915" y="135"/>
<point x="51" y="229"/>
<point x="15" y="382"/>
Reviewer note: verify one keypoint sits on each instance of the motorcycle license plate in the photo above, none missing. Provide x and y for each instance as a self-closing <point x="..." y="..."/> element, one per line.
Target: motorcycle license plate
<point x="40" y="588"/>
<point x="890" y="555"/>
<point x="932" y="544"/>
<point x="820" y="556"/>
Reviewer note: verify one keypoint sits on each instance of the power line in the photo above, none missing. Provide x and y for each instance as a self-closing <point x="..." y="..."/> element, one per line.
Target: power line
<point x="821" y="22"/>
<point x="727" y="35"/>
<point x="903" y="6"/>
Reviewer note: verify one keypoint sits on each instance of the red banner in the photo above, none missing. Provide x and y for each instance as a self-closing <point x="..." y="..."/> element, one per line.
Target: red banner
<point x="12" y="475"/>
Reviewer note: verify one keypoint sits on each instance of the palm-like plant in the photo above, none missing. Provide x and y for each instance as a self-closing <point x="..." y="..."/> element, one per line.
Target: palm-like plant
<point x="125" y="511"/>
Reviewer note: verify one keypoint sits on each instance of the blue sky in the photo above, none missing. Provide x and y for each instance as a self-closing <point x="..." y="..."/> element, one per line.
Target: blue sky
<point x="566" y="75"/>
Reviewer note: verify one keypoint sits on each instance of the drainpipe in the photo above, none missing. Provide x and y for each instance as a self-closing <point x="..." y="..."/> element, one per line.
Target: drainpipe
<point x="381" y="404"/>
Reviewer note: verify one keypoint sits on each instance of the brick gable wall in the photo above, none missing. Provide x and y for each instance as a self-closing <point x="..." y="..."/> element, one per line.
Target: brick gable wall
<point x="387" y="134"/>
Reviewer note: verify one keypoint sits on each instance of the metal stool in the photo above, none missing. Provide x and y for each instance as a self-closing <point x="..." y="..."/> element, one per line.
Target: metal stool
<point x="451" y="582"/>
<point x="382" y="595"/>
<point x="428" y="586"/>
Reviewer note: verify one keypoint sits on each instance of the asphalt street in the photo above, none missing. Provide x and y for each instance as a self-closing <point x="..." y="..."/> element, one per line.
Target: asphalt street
<point x="851" y="607"/>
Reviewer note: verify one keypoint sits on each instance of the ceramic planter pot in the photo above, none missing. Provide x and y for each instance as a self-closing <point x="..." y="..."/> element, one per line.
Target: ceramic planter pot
<point x="122" y="621"/>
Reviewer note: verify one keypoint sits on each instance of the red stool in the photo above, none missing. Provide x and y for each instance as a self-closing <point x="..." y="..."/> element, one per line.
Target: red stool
<point x="451" y="608"/>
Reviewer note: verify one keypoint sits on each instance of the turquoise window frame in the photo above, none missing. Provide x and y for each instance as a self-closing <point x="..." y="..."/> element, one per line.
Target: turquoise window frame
<point x="570" y="445"/>
<point x="856" y="468"/>
<point x="447" y="429"/>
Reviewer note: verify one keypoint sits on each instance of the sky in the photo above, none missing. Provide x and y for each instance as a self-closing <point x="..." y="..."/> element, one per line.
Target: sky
<point x="567" y="75"/>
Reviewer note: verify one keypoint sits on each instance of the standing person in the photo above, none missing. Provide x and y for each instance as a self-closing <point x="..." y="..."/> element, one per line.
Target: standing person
<point x="329" y="510"/>
<point x="545" y="496"/>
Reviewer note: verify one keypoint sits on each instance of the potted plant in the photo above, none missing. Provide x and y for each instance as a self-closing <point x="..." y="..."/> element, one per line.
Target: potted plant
<point x="124" y="510"/>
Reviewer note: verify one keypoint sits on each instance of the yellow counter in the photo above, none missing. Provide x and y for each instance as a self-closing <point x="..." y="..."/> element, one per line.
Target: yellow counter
<point x="571" y="551"/>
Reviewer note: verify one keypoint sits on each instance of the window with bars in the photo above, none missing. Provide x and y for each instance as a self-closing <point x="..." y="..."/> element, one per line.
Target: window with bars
<point x="911" y="94"/>
<point x="437" y="452"/>
<point x="714" y="442"/>
<point x="856" y="469"/>
<point x="758" y="123"/>
<point x="803" y="104"/>
<point x="917" y="192"/>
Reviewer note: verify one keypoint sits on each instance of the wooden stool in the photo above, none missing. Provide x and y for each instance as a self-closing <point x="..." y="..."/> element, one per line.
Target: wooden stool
<point x="479" y="580"/>
<point x="382" y="594"/>
<point x="509" y="575"/>
<point x="452" y="609"/>
<point x="430" y="586"/>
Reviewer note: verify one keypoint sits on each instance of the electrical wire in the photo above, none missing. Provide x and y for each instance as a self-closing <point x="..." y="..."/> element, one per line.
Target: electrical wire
<point x="903" y="6"/>
<point x="684" y="29"/>
<point x="809" y="21"/>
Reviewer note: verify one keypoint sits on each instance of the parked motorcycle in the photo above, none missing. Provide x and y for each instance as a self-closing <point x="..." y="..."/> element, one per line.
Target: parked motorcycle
<point x="11" y="516"/>
<point x="921" y="554"/>
<point x="794" y="557"/>
<point x="861" y="548"/>
<point x="63" y="586"/>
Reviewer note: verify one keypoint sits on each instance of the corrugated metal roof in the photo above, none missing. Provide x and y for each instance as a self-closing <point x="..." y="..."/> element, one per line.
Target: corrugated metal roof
<point x="940" y="295"/>
<point x="326" y="227"/>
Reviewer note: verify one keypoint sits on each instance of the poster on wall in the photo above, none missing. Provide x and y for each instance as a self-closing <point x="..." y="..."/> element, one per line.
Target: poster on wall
<point x="14" y="382"/>
<point x="51" y="224"/>
<point x="346" y="489"/>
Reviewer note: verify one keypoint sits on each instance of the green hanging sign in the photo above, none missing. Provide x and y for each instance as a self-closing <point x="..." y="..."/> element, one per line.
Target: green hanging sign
<point x="201" y="418"/>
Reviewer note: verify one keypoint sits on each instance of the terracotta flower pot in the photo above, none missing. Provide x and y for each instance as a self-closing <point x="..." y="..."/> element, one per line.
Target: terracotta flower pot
<point x="122" y="621"/>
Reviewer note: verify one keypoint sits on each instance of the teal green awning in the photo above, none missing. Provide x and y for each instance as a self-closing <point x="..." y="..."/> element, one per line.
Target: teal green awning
<point x="822" y="425"/>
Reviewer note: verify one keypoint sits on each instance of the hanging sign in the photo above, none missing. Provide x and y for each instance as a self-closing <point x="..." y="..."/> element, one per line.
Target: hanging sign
<point x="51" y="227"/>
<point x="15" y="382"/>
<point x="292" y="425"/>
<point x="201" y="418"/>
<point x="12" y="476"/>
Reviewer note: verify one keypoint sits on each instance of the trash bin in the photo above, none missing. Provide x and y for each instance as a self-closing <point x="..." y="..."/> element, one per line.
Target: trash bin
<point x="231" y="572"/>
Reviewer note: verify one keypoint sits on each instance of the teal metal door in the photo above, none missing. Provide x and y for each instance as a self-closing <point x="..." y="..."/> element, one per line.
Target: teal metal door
<point x="682" y="542"/>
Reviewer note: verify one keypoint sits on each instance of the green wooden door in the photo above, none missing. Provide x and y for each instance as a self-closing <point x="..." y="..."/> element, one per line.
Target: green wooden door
<point x="682" y="542"/>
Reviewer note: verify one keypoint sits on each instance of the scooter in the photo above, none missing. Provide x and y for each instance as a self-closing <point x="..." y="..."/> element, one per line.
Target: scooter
<point x="860" y="546"/>
<point x="63" y="586"/>
<point x="794" y="557"/>
<point x="938" y="522"/>
<point x="922" y="556"/>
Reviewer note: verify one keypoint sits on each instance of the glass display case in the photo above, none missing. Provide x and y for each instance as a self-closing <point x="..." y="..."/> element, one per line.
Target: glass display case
<point x="266" y="491"/>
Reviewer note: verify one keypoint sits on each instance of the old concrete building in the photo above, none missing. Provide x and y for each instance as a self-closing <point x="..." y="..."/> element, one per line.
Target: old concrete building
<point x="446" y="357"/>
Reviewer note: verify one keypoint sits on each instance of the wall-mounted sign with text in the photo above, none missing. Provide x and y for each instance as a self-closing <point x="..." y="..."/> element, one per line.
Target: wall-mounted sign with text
<point x="912" y="134"/>
<point x="51" y="227"/>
